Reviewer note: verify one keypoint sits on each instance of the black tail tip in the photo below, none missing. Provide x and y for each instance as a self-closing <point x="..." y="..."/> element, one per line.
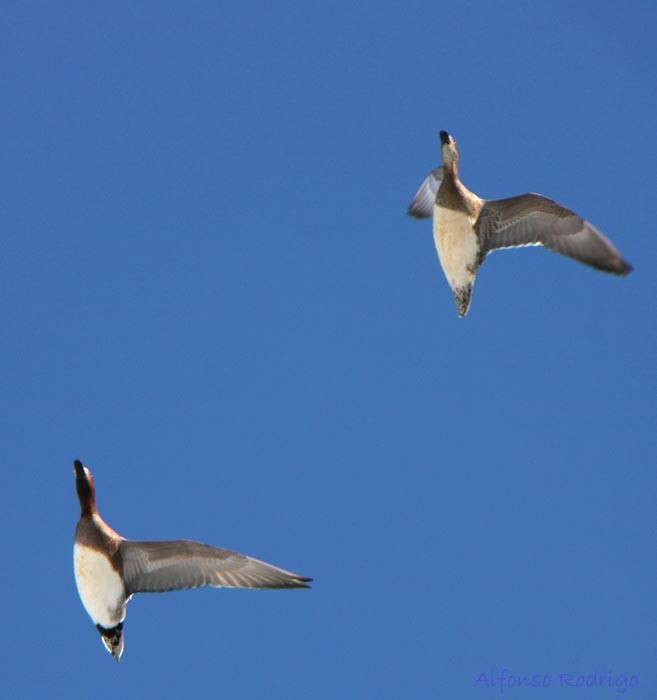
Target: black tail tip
<point x="444" y="137"/>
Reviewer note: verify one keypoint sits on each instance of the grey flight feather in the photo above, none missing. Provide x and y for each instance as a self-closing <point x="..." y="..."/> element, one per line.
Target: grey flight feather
<point x="532" y="219"/>
<point x="156" y="567"/>
<point x="422" y="205"/>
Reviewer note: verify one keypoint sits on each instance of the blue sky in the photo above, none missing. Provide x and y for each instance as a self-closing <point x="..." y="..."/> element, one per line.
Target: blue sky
<point x="210" y="293"/>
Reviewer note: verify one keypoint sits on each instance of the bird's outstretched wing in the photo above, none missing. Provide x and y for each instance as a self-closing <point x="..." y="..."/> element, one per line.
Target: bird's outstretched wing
<point x="532" y="219"/>
<point x="154" y="567"/>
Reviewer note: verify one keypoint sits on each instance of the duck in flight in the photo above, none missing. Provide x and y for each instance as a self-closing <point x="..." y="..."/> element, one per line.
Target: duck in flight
<point x="109" y="569"/>
<point x="466" y="228"/>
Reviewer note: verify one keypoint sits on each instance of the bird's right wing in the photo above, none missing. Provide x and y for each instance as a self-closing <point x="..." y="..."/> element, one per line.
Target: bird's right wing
<point x="422" y="205"/>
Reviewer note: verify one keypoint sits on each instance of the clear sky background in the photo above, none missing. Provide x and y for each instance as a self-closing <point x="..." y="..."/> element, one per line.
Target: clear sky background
<point x="210" y="293"/>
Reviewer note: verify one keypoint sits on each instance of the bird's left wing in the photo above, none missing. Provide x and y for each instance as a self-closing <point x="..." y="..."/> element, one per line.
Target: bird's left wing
<point x="155" y="567"/>
<point x="532" y="219"/>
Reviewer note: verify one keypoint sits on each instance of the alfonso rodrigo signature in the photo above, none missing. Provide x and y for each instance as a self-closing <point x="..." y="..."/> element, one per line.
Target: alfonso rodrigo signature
<point x="505" y="680"/>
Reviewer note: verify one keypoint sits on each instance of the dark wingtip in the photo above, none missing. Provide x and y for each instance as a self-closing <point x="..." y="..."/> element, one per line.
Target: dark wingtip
<point x="616" y="266"/>
<point x="444" y="137"/>
<point x="417" y="212"/>
<point x="77" y="464"/>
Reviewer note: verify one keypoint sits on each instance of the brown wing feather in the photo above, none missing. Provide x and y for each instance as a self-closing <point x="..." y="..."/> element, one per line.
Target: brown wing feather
<point x="535" y="220"/>
<point x="155" y="567"/>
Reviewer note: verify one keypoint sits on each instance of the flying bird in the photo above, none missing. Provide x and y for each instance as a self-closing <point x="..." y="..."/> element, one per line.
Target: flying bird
<point x="466" y="228"/>
<point x="109" y="569"/>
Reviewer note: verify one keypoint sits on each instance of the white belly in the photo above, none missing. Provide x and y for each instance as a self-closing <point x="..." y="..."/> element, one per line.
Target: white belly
<point x="457" y="245"/>
<point x="100" y="587"/>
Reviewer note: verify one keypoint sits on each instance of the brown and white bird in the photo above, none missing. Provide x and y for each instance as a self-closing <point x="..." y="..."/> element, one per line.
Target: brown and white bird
<point x="109" y="569"/>
<point x="466" y="228"/>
